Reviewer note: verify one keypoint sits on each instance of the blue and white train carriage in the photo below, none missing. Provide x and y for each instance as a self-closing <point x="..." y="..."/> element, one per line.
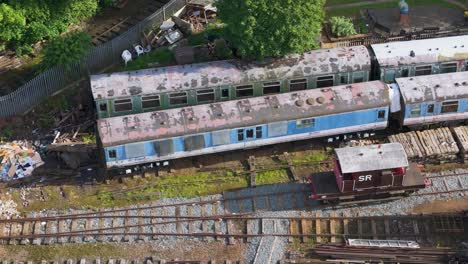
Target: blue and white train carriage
<point x="239" y="124"/>
<point x="434" y="99"/>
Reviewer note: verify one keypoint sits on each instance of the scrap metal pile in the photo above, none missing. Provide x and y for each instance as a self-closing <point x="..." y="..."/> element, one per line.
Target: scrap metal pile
<point x="18" y="160"/>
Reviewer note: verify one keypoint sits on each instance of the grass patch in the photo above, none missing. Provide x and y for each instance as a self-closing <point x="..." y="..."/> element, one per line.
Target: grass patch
<point x="272" y="177"/>
<point x="69" y="251"/>
<point x="313" y="156"/>
<point x="155" y="58"/>
<point x="354" y="10"/>
<point x="131" y="191"/>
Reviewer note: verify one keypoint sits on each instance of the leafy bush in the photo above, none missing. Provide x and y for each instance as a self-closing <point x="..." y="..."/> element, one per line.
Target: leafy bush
<point x="66" y="49"/>
<point x="342" y="26"/>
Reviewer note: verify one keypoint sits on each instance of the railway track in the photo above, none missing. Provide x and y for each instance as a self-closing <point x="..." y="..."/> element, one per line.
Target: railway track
<point x="228" y="228"/>
<point x="115" y="23"/>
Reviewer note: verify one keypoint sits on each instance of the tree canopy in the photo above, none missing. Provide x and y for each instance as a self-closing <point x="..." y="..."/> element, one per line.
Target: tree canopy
<point x="25" y="22"/>
<point x="262" y="28"/>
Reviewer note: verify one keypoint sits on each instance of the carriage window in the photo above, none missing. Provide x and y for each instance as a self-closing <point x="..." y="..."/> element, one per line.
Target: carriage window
<point x="244" y="91"/>
<point x="415" y="111"/>
<point x="178" y="98"/>
<point x="258" y="131"/>
<point x="344" y="79"/>
<point x="466" y="66"/>
<point x="423" y="70"/>
<point x="297" y="85"/>
<point x="305" y="123"/>
<point x="381" y="114"/>
<point x="271" y="87"/>
<point x="112" y="154"/>
<point x="240" y="134"/>
<point x="224" y="93"/>
<point x="449" y="107"/>
<point x="430" y="108"/>
<point x="150" y="101"/>
<point x="103" y="106"/>
<point x="123" y="105"/>
<point x="448" y="67"/>
<point x="405" y="73"/>
<point x="249" y="133"/>
<point x="206" y="95"/>
<point x="358" y="77"/>
<point x="324" y="81"/>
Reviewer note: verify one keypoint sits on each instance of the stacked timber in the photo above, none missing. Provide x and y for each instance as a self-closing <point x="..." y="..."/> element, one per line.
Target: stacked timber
<point x="429" y="146"/>
<point x="461" y="137"/>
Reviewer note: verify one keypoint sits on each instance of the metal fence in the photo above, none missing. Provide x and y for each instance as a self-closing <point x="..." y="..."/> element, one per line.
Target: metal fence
<point x="98" y="59"/>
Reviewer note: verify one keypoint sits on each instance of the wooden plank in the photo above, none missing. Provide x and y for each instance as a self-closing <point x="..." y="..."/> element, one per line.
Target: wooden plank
<point x="253" y="172"/>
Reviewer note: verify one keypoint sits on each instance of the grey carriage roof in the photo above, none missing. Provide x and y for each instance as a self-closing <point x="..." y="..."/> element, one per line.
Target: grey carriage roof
<point x="425" y="51"/>
<point x="212" y="74"/>
<point x="437" y="87"/>
<point x="242" y="113"/>
<point x="371" y="158"/>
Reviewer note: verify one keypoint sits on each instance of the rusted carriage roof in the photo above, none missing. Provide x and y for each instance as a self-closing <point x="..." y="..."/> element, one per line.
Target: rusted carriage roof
<point x="242" y="113"/>
<point x="371" y="158"/>
<point x="421" y="51"/>
<point x="437" y="87"/>
<point x="212" y="74"/>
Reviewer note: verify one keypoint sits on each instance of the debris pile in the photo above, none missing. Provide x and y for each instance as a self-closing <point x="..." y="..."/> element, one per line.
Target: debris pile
<point x="18" y="160"/>
<point x="8" y="209"/>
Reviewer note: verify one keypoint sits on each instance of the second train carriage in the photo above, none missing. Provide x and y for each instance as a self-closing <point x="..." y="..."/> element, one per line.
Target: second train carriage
<point x="435" y="99"/>
<point x="239" y="124"/>
<point x="124" y="93"/>
<point x="419" y="57"/>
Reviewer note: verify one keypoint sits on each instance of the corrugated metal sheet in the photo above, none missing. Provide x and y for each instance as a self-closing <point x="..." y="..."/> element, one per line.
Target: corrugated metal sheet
<point x="437" y="87"/>
<point x="435" y="50"/>
<point x="371" y="158"/>
<point x="212" y="74"/>
<point x="242" y="113"/>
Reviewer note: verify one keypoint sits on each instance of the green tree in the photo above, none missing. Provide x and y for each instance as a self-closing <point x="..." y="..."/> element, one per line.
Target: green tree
<point x="67" y="49"/>
<point x="12" y="23"/>
<point x="342" y="26"/>
<point x="261" y="28"/>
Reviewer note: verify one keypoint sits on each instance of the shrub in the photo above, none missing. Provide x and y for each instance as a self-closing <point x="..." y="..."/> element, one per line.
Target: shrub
<point x="67" y="49"/>
<point x="342" y="26"/>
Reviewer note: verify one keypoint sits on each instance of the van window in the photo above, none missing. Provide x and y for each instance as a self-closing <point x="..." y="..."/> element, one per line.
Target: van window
<point x="423" y="70"/>
<point x="204" y="96"/>
<point x="297" y="85"/>
<point x="150" y="101"/>
<point x="123" y="105"/>
<point x="449" y="107"/>
<point x="244" y="91"/>
<point x="178" y="98"/>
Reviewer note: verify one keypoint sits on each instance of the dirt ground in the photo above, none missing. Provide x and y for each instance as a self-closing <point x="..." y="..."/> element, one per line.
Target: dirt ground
<point x="443" y="206"/>
<point x="184" y="250"/>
